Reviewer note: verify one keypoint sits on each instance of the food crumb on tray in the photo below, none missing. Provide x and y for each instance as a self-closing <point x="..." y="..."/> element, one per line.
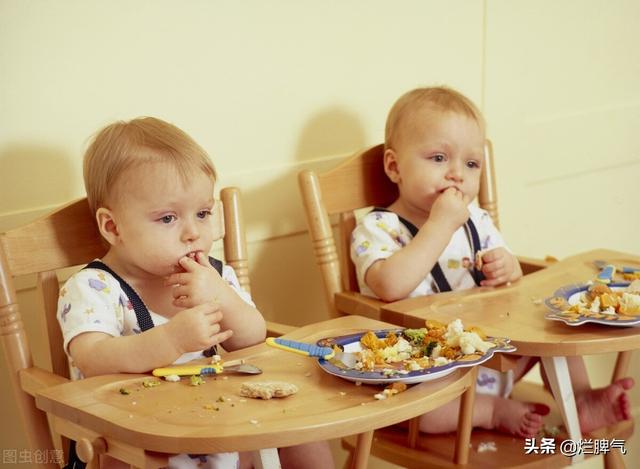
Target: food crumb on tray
<point x="196" y="380"/>
<point x="390" y="390"/>
<point x="487" y="446"/>
<point x="151" y="383"/>
<point x="267" y="389"/>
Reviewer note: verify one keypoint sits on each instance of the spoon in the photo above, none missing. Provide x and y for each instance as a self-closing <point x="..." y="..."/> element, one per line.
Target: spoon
<point x="624" y="269"/>
<point x="207" y="369"/>
<point x="337" y="357"/>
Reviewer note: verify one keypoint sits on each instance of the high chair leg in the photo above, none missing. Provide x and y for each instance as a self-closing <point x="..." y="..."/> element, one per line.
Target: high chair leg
<point x="362" y="450"/>
<point x="465" y="420"/>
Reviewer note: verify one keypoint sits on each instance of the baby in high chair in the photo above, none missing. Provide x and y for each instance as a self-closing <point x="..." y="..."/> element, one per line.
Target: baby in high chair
<point x="432" y="239"/>
<point x="155" y="298"/>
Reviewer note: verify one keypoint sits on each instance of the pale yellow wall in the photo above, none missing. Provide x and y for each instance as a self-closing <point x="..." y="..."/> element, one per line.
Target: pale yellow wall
<point x="269" y="88"/>
<point x="563" y="104"/>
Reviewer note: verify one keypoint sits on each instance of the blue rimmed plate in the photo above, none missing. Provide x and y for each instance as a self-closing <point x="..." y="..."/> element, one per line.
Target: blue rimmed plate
<point x="569" y="295"/>
<point x="351" y="343"/>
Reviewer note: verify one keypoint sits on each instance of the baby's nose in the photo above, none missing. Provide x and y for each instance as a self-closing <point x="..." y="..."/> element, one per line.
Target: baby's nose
<point x="190" y="232"/>
<point x="455" y="172"/>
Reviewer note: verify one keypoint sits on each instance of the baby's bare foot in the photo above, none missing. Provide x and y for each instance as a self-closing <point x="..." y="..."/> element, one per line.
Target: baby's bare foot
<point x="518" y="418"/>
<point x="598" y="408"/>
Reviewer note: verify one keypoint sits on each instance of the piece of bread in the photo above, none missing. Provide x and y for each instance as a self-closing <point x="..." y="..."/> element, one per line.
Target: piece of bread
<point x="267" y="389"/>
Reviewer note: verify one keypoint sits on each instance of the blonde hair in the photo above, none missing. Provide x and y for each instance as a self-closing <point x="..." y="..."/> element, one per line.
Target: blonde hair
<point x="123" y="145"/>
<point x="440" y="98"/>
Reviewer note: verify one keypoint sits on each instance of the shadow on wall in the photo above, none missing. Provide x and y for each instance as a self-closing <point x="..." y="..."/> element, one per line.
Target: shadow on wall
<point x="33" y="177"/>
<point x="286" y="283"/>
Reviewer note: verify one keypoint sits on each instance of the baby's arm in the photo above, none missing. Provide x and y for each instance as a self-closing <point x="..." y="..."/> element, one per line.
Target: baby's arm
<point x="395" y="277"/>
<point x="98" y="353"/>
<point x="499" y="266"/>
<point x="201" y="283"/>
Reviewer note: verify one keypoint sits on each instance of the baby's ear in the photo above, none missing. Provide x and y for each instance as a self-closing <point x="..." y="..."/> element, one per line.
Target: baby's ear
<point x="107" y="225"/>
<point x="391" y="165"/>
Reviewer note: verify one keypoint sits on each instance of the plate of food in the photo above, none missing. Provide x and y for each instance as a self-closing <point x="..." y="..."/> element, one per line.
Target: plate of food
<point x="411" y="355"/>
<point x="616" y="304"/>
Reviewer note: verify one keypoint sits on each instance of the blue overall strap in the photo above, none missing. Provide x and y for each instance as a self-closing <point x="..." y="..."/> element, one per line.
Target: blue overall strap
<point x="217" y="264"/>
<point x="474" y="241"/>
<point x="441" y="283"/>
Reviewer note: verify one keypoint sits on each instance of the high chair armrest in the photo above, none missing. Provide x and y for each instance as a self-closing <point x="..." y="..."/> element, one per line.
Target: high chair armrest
<point x="34" y="379"/>
<point x="276" y="329"/>
<point x="531" y="264"/>
<point x="356" y="303"/>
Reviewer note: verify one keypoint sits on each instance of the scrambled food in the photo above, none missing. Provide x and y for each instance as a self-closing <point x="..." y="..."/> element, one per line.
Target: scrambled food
<point x="390" y="390"/>
<point x="631" y="276"/>
<point x="436" y="344"/>
<point x="601" y="302"/>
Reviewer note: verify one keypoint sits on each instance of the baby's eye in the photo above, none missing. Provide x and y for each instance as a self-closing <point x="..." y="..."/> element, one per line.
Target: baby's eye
<point x="204" y="214"/>
<point x="168" y="219"/>
<point x="473" y="164"/>
<point x="439" y="158"/>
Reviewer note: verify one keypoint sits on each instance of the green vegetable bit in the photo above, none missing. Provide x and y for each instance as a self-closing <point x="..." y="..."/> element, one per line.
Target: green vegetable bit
<point x="196" y="380"/>
<point x="150" y="383"/>
<point x="415" y="336"/>
<point x="125" y="391"/>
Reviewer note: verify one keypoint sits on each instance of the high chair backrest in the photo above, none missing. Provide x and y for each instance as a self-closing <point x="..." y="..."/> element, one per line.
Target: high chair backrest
<point x="357" y="183"/>
<point x="65" y="238"/>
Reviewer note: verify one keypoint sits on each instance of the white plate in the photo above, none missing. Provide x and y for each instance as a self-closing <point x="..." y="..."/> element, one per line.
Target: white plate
<point x="570" y="295"/>
<point x="351" y="343"/>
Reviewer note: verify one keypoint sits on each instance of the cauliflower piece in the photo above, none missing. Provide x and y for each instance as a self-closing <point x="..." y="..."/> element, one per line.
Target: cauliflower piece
<point x="401" y="350"/>
<point x="412" y="365"/>
<point x="471" y="342"/>
<point x="441" y="361"/>
<point x="454" y="331"/>
<point x="402" y="345"/>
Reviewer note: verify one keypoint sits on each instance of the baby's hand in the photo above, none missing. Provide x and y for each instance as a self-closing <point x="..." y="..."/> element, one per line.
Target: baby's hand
<point x="498" y="267"/>
<point x="197" y="285"/>
<point x="197" y="328"/>
<point x="450" y="208"/>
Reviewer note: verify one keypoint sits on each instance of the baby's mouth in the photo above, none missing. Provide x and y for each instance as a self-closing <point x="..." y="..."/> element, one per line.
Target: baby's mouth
<point x="193" y="255"/>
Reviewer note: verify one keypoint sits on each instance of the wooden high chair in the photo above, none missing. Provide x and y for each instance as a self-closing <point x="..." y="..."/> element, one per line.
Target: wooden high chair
<point x="358" y="183"/>
<point x="65" y="238"/>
